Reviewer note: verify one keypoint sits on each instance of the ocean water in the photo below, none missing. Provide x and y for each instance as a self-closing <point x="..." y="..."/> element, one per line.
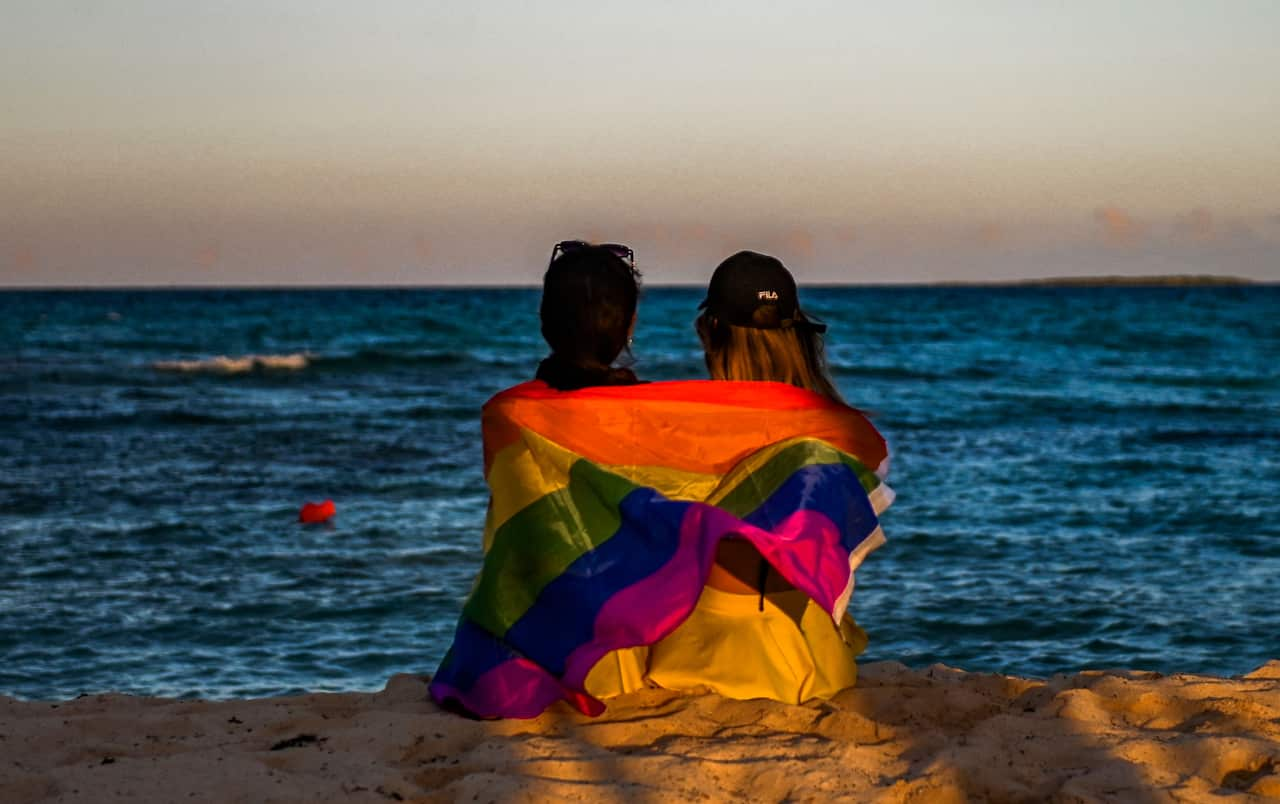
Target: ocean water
<point x="1085" y="477"/>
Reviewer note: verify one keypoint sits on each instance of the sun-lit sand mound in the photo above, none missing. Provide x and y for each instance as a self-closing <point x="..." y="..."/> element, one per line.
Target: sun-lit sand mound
<point x="932" y="735"/>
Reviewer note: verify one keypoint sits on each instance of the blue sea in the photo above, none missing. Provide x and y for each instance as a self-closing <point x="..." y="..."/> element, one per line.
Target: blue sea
<point x="1086" y="477"/>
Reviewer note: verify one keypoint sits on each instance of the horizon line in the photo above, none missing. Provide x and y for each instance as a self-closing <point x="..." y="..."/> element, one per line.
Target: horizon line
<point x="1101" y="280"/>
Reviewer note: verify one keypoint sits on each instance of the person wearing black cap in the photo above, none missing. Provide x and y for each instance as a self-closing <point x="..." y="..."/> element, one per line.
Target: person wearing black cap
<point x="752" y="327"/>
<point x="753" y="635"/>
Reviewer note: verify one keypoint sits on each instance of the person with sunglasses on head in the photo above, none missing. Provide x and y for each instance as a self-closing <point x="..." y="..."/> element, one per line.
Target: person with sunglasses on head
<point x="588" y="313"/>
<point x="753" y="634"/>
<point x="590" y="294"/>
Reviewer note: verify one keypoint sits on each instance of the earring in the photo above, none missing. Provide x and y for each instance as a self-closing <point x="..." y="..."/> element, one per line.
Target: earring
<point x="630" y="340"/>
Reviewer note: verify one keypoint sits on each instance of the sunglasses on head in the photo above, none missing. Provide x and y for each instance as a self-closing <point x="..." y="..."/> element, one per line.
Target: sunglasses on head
<point x="618" y="250"/>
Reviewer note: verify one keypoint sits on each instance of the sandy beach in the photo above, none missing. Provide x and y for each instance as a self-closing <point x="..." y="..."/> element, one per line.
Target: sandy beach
<point x="936" y="734"/>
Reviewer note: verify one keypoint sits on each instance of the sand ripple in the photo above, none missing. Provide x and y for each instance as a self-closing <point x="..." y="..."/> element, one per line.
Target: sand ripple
<point x="932" y="735"/>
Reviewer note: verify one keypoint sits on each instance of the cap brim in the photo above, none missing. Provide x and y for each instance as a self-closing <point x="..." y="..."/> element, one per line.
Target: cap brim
<point x="801" y="322"/>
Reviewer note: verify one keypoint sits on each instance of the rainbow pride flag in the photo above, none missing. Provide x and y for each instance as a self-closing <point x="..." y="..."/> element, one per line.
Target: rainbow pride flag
<point x="607" y="506"/>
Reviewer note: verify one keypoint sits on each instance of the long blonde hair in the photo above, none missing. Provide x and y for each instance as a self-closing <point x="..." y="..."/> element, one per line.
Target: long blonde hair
<point x="793" y="354"/>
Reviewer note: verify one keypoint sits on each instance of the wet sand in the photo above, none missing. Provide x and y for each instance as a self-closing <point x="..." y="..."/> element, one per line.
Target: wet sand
<point x="928" y="735"/>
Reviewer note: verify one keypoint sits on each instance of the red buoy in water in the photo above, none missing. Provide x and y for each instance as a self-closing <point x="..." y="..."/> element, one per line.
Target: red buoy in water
<point x="317" y="512"/>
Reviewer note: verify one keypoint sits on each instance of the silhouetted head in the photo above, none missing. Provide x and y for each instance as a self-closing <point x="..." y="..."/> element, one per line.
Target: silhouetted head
<point x="752" y="327"/>
<point x="589" y="297"/>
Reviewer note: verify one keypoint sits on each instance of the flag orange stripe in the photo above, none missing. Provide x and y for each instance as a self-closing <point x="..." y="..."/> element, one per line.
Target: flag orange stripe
<point x="693" y="426"/>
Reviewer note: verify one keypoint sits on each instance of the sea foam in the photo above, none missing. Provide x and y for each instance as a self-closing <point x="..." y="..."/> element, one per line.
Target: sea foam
<point x="222" y="364"/>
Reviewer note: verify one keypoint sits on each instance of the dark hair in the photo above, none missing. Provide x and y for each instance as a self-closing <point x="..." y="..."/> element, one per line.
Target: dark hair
<point x="589" y="298"/>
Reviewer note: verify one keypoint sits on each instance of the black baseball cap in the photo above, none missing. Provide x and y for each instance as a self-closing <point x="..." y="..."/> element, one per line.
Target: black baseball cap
<point x="748" y="281"/>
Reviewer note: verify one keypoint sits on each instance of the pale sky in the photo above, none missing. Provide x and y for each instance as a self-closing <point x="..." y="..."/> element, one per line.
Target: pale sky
<point x="313" y="142"/>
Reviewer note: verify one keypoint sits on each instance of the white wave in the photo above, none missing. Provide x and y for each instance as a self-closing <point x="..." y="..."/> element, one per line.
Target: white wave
<point x="222" y="364"/>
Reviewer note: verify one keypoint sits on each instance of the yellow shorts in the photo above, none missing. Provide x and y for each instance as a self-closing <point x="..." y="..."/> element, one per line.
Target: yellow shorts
<point x="789" y="652"/>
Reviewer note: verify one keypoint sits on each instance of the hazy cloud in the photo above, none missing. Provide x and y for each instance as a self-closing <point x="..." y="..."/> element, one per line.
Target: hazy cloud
<point x="990" y="233"/>
<point x="697" y="232"/>
<point x="422" y="247"/>
<point x="683" y="239"/>
<point x="799" y="243"/>
<point x="847" y="235"/>
<point x="24" y="258"/>
<point x="1119" y="228"/>
<point x="208" y="256"/>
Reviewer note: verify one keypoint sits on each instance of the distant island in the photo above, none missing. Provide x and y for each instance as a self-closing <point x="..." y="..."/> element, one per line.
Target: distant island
<point x="1166" y="280"/>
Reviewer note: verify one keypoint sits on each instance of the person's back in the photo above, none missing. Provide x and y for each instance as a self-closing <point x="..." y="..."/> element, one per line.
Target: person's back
<point x="752" y="328"/>
<point x="752" y="634"/>
<point x="590" y="294"/>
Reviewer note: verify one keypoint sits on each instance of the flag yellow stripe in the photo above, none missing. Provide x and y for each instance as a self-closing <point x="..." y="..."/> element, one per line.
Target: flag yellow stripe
<point x="529" y="469"/>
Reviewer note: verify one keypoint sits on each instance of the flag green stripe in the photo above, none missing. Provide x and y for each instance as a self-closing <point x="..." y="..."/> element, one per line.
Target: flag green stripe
<point x="537" y="544"/>
<point x="752" y="490"/>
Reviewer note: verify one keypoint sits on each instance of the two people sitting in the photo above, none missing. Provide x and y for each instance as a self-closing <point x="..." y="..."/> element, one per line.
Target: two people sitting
<point x="689" y="535"/>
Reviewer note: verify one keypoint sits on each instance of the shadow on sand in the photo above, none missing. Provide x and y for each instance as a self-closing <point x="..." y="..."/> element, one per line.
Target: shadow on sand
<point x="935" y="735"/>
